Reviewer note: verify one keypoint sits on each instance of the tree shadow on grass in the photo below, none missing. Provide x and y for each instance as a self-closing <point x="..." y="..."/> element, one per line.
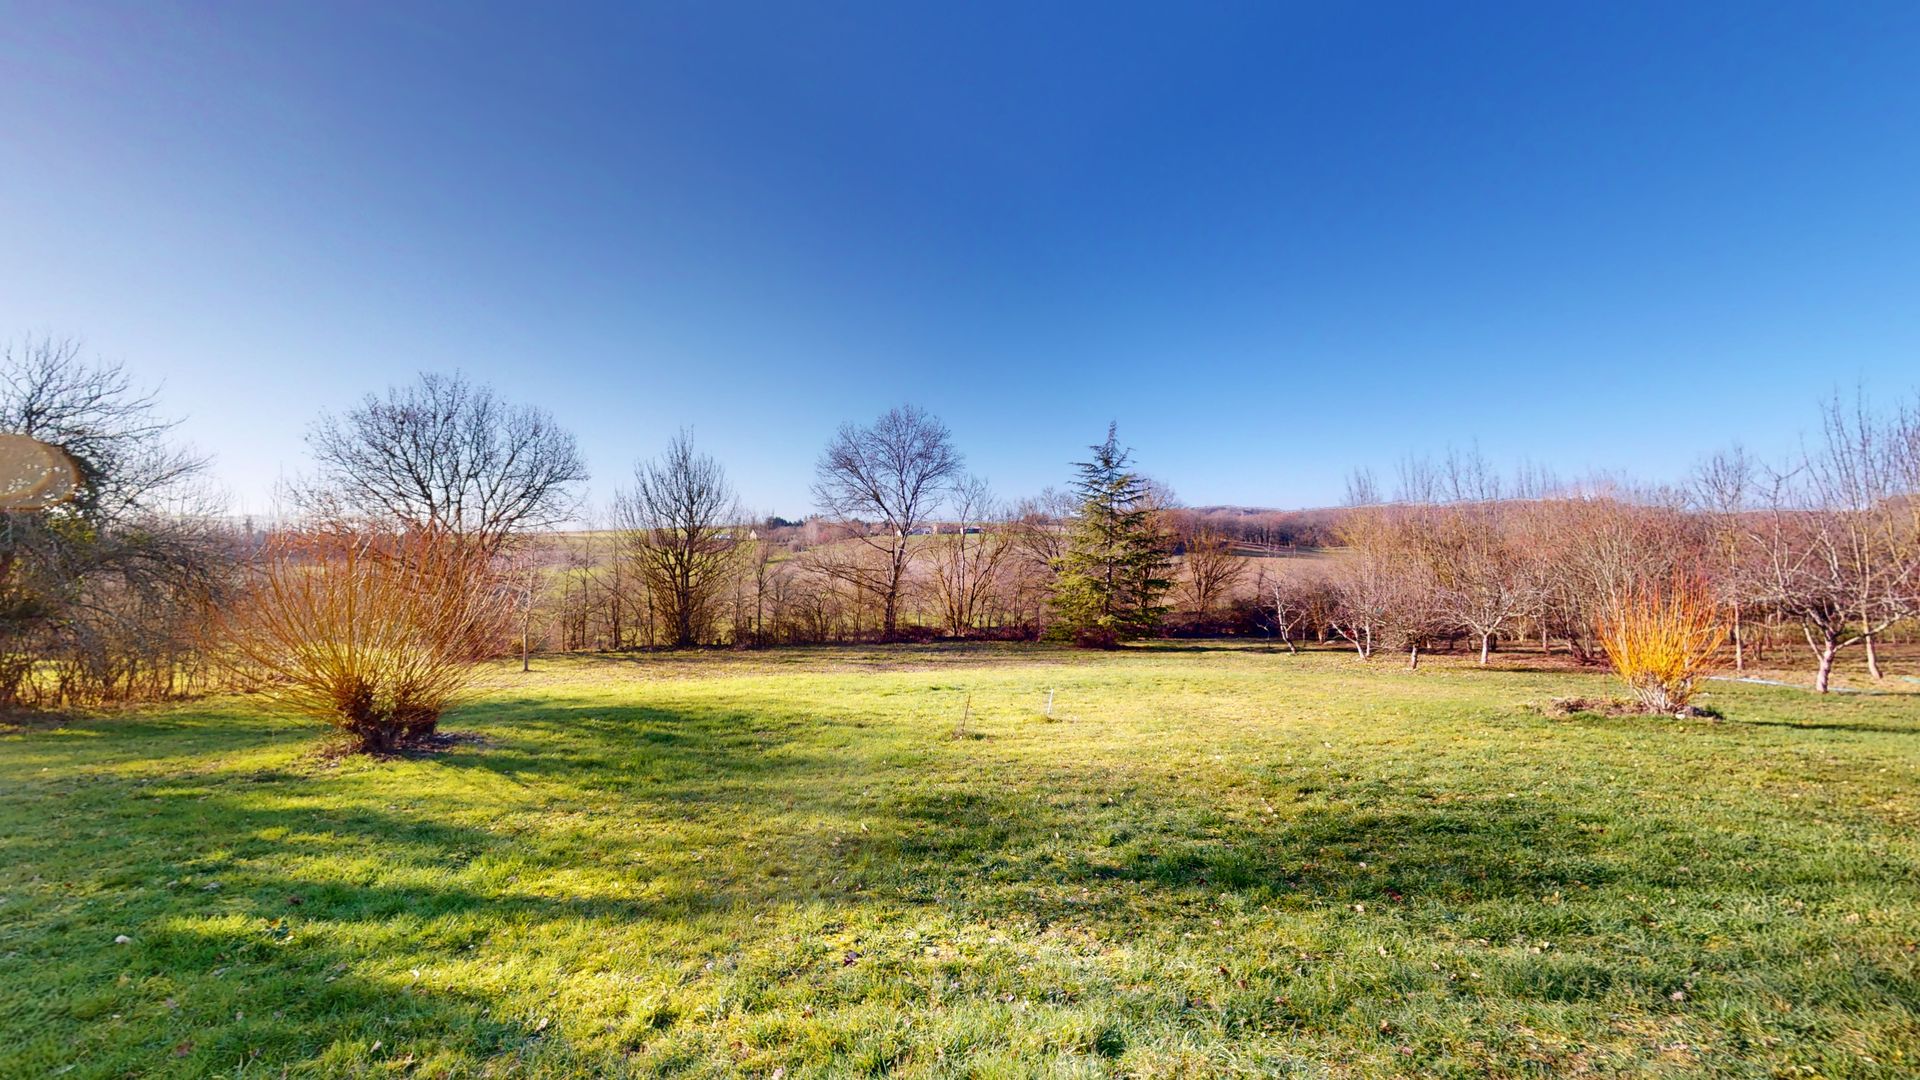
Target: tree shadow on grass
<point x="319" y="882"/>
<point x="241" y="949"/>
<point x="1862" y="727"/>
<point x="1331" y="856"/>
<point x="528" y="838"/>
<point x="660" y="756"/>
<point x="320" y="944"/>
<point x="902" y="657"/>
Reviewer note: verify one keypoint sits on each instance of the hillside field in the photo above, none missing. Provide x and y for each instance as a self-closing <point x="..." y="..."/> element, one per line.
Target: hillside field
<point x="1209" y="860"/>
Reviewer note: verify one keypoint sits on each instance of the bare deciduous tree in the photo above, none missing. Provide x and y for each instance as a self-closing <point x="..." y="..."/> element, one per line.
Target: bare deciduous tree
<point x="969" y="563"/>
<point x="888" y="479"/>
<point x="677" y="524"/>
<point x="1479" y="575"/>
<point x="1796" y="576"/>
<point x="1362" y="488"/>
<point x="1837" y="549"/>
<point x="1414" y="614"/>
<point x="608" y="587"/>
<point x="1851" y="478"/>
<point x="1297" y="599"/>
<point x="524" y="578"/>
<point x="1362" y="583"/>
<point x="448" y="455"/>
<point x="1723" y="486"/>
<point x="1211" y="570"/>
<point x="1038" y="532"/>
<point x="760" y="581"/>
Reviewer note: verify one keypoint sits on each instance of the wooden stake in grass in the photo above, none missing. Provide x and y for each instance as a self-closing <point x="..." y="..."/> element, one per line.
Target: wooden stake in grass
<point x="1661" y="641"/>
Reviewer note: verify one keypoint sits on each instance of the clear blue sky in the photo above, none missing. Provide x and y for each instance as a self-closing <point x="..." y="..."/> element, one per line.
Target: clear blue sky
<point x="1272" y="241"/>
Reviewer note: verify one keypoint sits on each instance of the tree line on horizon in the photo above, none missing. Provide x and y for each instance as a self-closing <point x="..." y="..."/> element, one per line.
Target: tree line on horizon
<point x="138" y="588"/>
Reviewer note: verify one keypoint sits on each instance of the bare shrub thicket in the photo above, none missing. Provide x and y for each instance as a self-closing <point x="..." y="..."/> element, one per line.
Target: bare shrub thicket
<point x="375" y="633"/>
<point x="103" y="598"/>
<point x="1662" y="639"/>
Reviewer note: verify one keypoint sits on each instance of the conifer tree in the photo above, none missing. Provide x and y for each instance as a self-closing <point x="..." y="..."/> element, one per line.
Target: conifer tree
<point x="1117" y="565"/>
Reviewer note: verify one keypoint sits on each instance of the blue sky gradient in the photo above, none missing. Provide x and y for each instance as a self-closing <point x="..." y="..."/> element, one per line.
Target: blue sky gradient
<point x="1274" y="242"/>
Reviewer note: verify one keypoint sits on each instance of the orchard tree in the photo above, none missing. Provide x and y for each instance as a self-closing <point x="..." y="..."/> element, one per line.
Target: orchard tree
<point x="1723" y="485"/>
<point x="1296" y="599"/>
<point x="1116" y="569"/>
<point x="1481" y="584"/>
<point x="1832" y="550"/>
<point x="1853" y="477"/>
<point x="1361" y="585"/>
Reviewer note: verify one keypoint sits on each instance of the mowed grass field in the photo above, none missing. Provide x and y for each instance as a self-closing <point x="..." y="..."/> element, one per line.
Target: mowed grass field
<point x="1210" y="861"/>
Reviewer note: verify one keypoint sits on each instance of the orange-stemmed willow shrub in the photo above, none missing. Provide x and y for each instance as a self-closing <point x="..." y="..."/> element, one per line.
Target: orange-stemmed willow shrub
<point x="375" y="633"/>
<point x="1662" y="641"/>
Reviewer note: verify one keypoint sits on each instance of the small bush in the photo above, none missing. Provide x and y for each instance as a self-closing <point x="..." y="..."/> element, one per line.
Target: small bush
<point x="374" y="633"/>
<point x="1661" y="641"/>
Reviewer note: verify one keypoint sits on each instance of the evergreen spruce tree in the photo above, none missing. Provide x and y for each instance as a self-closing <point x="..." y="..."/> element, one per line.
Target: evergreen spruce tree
<point x="1117" y="565"/>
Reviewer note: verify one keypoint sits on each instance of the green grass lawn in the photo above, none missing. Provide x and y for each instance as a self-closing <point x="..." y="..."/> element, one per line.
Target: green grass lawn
<point x="1210" y="861"/>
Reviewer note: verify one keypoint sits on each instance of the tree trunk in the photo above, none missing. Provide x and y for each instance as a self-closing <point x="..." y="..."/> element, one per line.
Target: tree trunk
<point x="1486" y="646"/>
<point x="897" y="572"/>
<point x="1413" y="658"/>
<point x="1824" y="677"/>
<point x="1739" y="643"/>
<point x="1873" y="659"/>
